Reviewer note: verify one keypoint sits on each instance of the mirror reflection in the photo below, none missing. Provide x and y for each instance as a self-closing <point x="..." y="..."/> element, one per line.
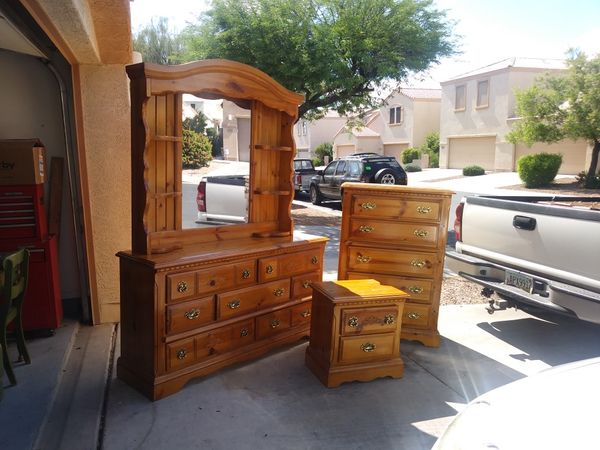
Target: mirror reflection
<point x="215" y="161"/>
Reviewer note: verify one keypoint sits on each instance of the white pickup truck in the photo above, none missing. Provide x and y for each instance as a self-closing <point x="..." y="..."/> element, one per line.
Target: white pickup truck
<point x="223" y="199"/>
<point x="537" y="251"/>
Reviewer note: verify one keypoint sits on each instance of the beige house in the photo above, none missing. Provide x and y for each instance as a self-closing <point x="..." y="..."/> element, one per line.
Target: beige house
<point x="308" y="135"/>
<point x="405" y="120"/>
<point x="478" y="110"/>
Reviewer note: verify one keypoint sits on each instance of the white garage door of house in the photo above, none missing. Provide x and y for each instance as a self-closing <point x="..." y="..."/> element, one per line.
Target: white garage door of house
<point x="479" y="151"/>
<point x="394" y="150"/>
<point x="573" y="154"/>
<point x="344" y="150"/>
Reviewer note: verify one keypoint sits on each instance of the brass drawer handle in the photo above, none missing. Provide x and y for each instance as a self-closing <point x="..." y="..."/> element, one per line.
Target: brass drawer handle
<point x="245" y="274"/>
<point x="192" y="314"/>
<point x="314" y="260"/>
<point x="269" y="269"/>
<point x="415" y="289"/>
<point x="306" y="284"/>
<point x="365" y="229"/>
<point x="244" y="332"/>
<point x="414" y="315"/>
<point x="181" y="354"/>
<point x="305" y="314"/>
<point x="418" y="263"/>
<point x="423" y="209"/>
<point x="363" y="259"/>
<point x="389" y="319"/>
<point x="368" y="347"/>
<point x="368" y="205"/>
<point x="353" y="321"/>
<point x="278" y="292"/>
<point x="421" y="233"/>
<point x="274" y="323"/>
<point x="182" y="287"/>
<point x="234" y="304"/>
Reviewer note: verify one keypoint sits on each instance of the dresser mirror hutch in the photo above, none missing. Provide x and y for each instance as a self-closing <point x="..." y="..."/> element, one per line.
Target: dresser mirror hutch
<point x="196" y="299"/>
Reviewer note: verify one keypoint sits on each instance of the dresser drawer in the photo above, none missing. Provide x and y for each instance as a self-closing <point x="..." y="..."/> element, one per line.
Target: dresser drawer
<point x="273" y="323"/>
<point x="189" y="315"/>
<point x="290" y="264"/>
<point x="369" y="320"/>
<point x="396" y="207"/>
<point x="416" y="316"/>
<point x="416" y="234"/>
<point x="222" y="340"/>
<point x="301" y="313"/>
<point x="181" y="286"/>
<point x="253" y="298"/>
<point x="420" y="290"/>
<point x="180" y="354"/>
<point x="365" y="348"/>
<point x="245" y="273"/>
<point x="394" y="262"/>
<point x="301" y="285"/>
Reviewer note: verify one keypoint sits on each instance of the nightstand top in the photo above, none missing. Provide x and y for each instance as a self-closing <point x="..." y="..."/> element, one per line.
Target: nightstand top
<point x="352" y="290"/>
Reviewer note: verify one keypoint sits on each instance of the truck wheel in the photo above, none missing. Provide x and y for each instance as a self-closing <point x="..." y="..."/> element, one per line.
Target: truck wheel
<point x="315" y="196"/>
<point x="385" y="176"/>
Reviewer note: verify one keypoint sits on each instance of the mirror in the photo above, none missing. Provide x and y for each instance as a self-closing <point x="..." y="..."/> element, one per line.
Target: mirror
<point x="217" y="193"/>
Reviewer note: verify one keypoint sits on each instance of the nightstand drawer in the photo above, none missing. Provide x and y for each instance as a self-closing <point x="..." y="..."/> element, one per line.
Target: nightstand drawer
<point x="370" y="320"/>
<point x="273" y="323"/>
<point x="397" y="208"/>
<point x="420" y="290"/>
<point x="289" y="265"/>
<point x="414" y="234"/>
<point x="251" y="299"/>
<point x="416" y="316"/>
<point x="189" y="315"/>
<point x="365" y="348"/>
<point x="394" y="262"/>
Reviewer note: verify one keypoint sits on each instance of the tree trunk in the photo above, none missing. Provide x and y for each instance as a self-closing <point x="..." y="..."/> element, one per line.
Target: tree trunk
<point x="590" y="179"/>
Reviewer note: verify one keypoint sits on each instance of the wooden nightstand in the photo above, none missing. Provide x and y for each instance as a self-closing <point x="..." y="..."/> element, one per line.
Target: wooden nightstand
<point x="355" y="331"/>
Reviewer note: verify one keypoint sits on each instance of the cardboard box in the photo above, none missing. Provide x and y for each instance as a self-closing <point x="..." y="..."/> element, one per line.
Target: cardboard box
<point x="21" y="161"/>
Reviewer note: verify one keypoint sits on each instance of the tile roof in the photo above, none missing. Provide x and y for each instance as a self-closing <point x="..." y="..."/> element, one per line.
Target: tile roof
<point x="422" y="94"/>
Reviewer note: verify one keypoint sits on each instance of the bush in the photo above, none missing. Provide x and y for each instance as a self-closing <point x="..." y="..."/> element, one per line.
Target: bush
<point x="196" y="150"/>
<point x="582" y="179"/>
<point x="412" y="168"/>
<point x="473" y="171"/>
<point x="410" y="154"/>
<point x="322" y="150"/>
<point x="432" y="148"/>
<point x="538" y="169"/>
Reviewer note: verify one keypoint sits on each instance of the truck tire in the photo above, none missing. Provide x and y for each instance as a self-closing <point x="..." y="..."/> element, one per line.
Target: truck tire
<point x="386" y="176"/>
<point x="315" y="196"/>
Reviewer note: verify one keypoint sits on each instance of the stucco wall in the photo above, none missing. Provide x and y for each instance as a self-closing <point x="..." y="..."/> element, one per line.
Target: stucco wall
<point x="401" y="132"/>
<point x="324" y="130"/>
<point x="427" y="120"/>
<point x="106" y="121"/>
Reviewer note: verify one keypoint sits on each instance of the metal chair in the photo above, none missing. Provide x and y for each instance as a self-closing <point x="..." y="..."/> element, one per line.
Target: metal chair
<point x="15" y="270"/>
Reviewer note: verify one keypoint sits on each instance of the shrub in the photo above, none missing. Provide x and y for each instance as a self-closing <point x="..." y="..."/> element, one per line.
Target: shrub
<point x="538" y="169"/>
<point x="473" y="171"/>
<point x="322" y="150"/>
<point x="412" y="168"/>
<point x="410" y="154"/>
<point x="432" y="148"/>
<point x="196" y="150"/>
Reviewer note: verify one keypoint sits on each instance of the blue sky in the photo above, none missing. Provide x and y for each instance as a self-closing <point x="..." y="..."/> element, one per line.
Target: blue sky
<point x="491" y="30"/>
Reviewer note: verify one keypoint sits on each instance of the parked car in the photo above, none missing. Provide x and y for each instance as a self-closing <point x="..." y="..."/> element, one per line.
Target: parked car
<point x="303" y="173"/>
<point x="361" y="168"/>
<point x="554" y="409"/>
<point x="223" y="198"/>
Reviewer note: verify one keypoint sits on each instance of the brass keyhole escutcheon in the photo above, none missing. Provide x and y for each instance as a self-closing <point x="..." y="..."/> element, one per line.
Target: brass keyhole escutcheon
<point x="414" y="315"/>
<point x="353" y="321"/>
<point x="269" y="269"/>
<point x="314" y="260"/>
<point x="305" y="314"/>
<point x="415" y="289"/>
<point x="362" y="258"/>
<point x="368" y="347"/>
<point x="306" y="284"/>
<point x="278" y="292"/>
<point x="365" y="228"/>
<point x="212" y="282"/>
<point x="244" y="332"/>
<point x="192" y="314"/>
<point x="389" y="319"/>
<point x="181" y="354"/>
<point x="418" y="263"/>
<point x="274" y="323"/>
<point x="421" y="233"/>
<point x="182" y="287"/>
<point x="368" y="205"/>
<point x="234" y="304"/>
<point x="423" y="209"/>
<point x="246" y="274"/>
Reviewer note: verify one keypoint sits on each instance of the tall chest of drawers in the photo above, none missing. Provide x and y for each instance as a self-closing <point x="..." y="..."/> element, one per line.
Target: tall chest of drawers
<point x="397" y="236"/>
<point x="189" y="313"/>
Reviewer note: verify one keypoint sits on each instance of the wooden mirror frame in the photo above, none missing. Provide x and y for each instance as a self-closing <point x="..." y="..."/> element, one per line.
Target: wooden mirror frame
<point x="156" y="149"/>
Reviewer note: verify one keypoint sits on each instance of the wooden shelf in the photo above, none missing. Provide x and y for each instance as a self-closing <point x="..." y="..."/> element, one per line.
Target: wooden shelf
<point x="270" y="192"/>
<point x="167" y="138"/>
<point x="273" y="147"/>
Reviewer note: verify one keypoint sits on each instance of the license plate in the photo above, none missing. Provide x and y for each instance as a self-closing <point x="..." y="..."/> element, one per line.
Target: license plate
<point x="519" y="280"/>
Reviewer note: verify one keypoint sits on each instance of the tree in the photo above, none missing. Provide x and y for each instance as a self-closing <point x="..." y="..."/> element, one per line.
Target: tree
<point x="336" y="52"/>
<point x="323" y="150"/>
<point x="196" y="123"/>
<point x="563" y="106"/>
<point x="157" y="44"/>
<point x="432" y="148"/>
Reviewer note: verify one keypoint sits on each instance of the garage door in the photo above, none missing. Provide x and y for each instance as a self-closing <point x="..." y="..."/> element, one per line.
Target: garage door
<point x="344" y="150"/>
<point x="394" y="150"/>
<point x="573" y="154"/>
<point x="465" y="152"/>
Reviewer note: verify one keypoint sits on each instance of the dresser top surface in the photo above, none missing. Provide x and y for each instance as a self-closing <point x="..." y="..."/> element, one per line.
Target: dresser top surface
<point x="386" y="189"/>
<point x="353" y="290"/>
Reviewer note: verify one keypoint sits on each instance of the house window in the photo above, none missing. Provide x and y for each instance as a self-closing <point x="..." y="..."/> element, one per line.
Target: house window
<point x="395" y="115"/>
<point x="460" y="100"/>
<point x="482" y="94"/>
<point x="302" y="128"/>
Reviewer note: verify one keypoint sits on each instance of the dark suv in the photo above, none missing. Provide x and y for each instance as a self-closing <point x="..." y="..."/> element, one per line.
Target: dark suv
<point x="359" y="167"/>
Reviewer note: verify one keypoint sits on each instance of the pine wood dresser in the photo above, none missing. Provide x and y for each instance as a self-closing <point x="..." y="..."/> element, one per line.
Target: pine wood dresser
<point x="397" y="235"/>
